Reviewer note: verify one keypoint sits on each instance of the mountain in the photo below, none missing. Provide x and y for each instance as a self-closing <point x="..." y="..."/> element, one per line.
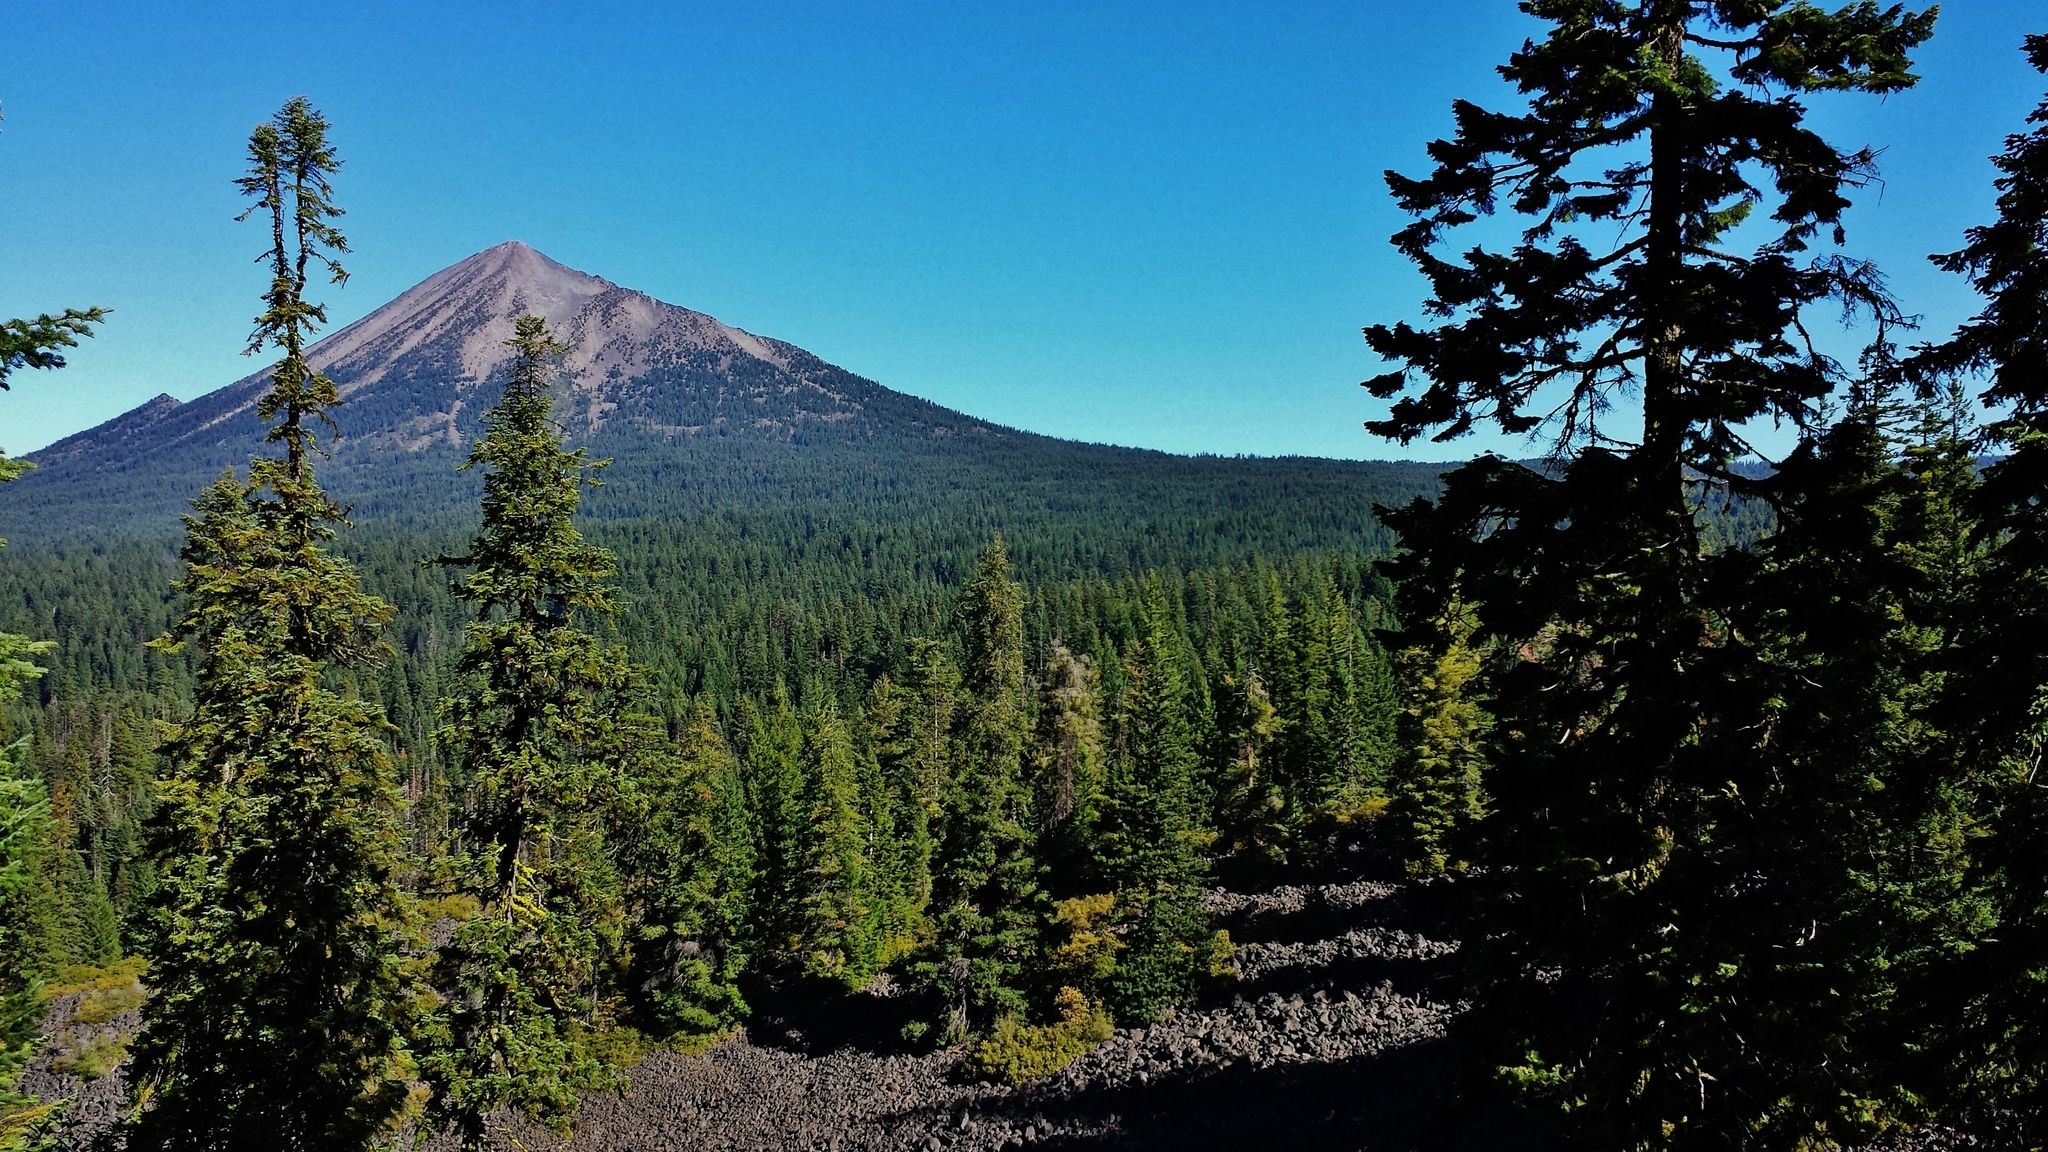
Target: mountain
<point x="697" y="417"/>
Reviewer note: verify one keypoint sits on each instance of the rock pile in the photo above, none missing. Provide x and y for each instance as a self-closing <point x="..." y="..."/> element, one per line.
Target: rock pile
<point x="1323" y="1041"/>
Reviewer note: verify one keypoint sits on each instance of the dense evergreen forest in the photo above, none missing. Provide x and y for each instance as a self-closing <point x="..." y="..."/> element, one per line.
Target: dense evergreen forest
<point x="1723" y="774"/>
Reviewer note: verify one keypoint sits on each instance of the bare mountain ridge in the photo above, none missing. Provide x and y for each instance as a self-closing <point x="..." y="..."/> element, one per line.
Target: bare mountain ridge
<point x="410" y="372"/>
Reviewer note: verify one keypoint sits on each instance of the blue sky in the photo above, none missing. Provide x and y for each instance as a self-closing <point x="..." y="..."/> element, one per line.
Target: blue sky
<point x="1149" y="224"/>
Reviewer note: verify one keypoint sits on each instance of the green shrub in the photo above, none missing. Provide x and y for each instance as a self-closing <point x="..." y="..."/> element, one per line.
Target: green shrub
<point x="103" y="993"/>
<point x="95" y="1059"/>
<point x="1018" y="1053"/>
<point x="74" y="978"/>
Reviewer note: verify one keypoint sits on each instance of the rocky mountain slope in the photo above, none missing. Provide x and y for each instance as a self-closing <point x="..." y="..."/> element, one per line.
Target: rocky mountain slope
<point x="694" y="412"/>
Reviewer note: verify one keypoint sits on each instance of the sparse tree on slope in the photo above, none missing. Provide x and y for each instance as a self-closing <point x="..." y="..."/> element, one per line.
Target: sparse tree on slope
<point x="274" y="983"/>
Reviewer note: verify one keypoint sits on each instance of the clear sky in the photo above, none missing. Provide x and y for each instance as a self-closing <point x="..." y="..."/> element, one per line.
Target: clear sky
<point x="1150" y="224"/>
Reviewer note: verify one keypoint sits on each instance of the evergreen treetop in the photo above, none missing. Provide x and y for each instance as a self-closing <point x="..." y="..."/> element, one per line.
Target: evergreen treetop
<point x="273" y="1007"/>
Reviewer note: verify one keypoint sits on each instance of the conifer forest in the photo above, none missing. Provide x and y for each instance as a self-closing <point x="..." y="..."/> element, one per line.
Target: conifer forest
<point x="407" y="754"/>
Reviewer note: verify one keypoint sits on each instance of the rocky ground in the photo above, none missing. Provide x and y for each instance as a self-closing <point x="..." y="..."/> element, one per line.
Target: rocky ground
<point x="1326" y="1040"/>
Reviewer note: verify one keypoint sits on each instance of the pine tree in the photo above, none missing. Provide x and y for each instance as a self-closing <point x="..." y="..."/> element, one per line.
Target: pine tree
<point x="1358" y="743"/>
<point x="1251" y="805"/>
<point x="1671" y="132"/>
<point x="985" y="904"/>
<point x="842" y="909"/>
<point x="772" y="774"/>
<point x="1863" y="826"/>
<point x="274" y="985"/>
<point x="1150" y="836"/>
<point x="911" y="727"/>
<point x="537" y="729"/>
<point x="690" y="870"/>
<point x="1440" y="790"/>
<point x="1068" y="766"/>
<point x="1999" y="1059"/>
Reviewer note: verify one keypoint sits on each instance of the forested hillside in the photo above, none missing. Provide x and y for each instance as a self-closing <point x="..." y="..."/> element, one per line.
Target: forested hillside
<point x="546" y="687"/>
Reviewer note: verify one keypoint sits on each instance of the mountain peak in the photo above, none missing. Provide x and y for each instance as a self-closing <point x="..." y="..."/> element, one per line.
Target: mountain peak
<point x="474" y="302"/>
<point x="418" y="374"/>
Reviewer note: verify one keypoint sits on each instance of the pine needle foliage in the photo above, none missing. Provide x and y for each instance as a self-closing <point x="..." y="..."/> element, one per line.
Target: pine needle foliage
<point x="1151" y="833"/>
<point x="274" y="985"/>
<point x="536" y="733"/>
<point x="1999" y="1060"/>
<point x="1440" y="794"/>
<point x="689" y="865"/>
<point x="1681" y="224"/>
<point x="1863" y="816"/>
<point x="986" y="903"/>
<point x="25" y="843"/>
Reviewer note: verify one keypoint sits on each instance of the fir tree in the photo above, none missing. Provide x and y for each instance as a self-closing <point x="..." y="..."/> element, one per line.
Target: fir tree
<point x="772" y="774"/>
<point x="841" y="912"/>
<point x="1250" y="803"/>
<point x="40" y="343"/>
<point x="537" y="731"/>
<point x="274" y="985"/>
<point x="690" y="869"/>
<point x="1862" y="824"/>
<point x="1440" y="791"/>
<point x="985" y="884"/>
<point x="911" y="726"/>
<point x="1150" y="837"/>
<point x="1670" y="132"/>
<point x="25" y="905"/>
<point x="1358" y="744"/>
<point x="1068" y="766"/>
<point x="2001" y="1056"/>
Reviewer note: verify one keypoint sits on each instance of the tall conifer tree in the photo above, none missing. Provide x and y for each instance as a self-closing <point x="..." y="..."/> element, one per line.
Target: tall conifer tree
<point x="691" y="864"/>
<point x="2001" y="1057"/>
<point x="273" y="965"/>
<point x="1671" y="133"/>
<point x="1068" y="765"/>
<point x="537" y="730"/>
<point x="911" y="726"/>
<point x="1150" y="833"/>
<point x="1864" y="838"/>
<point x="985" y="905"/>
<point x="1444" y="727"/>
